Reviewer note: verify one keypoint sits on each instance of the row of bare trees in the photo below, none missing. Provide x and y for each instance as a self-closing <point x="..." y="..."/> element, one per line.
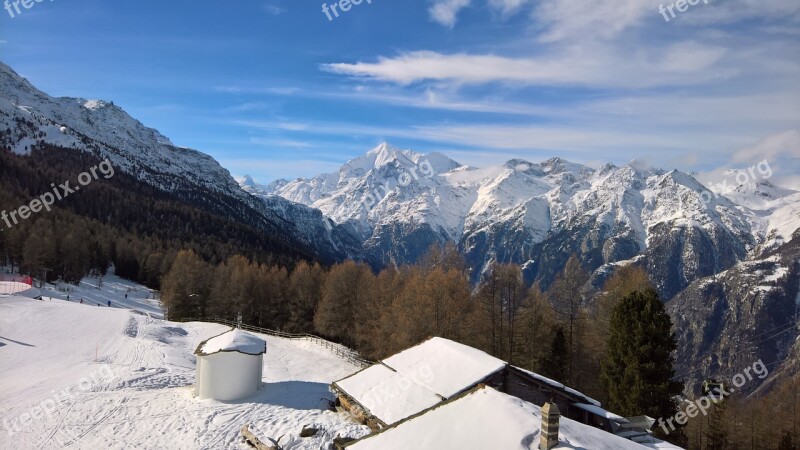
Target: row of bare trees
<point x="559" y="333"/>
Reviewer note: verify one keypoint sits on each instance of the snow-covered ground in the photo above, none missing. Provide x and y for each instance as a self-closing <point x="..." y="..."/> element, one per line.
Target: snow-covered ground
<point x="487" y="419"/>
<point x="122" y="293"/>
<point x="87" y="377"/>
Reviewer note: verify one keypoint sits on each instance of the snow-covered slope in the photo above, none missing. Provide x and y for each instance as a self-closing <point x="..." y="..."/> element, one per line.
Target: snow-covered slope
<point x="95" y="290"/>
<point x="107" y="378"/>
<point x="129" y="145"/>
<point x="775" y="211"/>
<point x="29" y="117"/>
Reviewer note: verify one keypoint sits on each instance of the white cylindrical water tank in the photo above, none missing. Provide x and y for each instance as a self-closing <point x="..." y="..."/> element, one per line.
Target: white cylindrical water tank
<point x="229" y="366"/>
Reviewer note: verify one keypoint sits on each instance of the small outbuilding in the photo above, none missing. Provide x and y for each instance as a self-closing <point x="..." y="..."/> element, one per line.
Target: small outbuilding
<point x="229" y="366"/>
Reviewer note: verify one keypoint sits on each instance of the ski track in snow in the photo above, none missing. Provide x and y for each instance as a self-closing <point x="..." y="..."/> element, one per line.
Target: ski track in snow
<point x="47" y="346"/>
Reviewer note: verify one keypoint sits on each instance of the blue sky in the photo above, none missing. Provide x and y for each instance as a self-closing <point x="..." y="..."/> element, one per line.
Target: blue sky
<point x="274" y="89"/>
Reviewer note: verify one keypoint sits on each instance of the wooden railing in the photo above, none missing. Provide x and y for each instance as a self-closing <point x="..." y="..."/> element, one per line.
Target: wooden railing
<point x="340" y="350"/>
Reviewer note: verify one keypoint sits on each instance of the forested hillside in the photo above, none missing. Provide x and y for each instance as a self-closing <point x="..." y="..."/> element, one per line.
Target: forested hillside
<point x="120" y="221"/>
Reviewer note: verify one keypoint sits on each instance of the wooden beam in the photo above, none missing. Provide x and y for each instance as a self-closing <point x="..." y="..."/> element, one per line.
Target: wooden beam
<point x="252" y="440"/>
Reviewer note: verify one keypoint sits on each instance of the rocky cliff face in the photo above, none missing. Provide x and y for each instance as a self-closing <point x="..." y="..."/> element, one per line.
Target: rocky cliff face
<point x="726" y="322"/>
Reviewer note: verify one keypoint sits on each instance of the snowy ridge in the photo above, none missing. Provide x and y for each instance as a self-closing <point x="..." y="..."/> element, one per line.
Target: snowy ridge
<point x="540" y="197"/>
<point x="29" y="116"/>
<point x="126" y="142"/>
<point x="514" y="211"/>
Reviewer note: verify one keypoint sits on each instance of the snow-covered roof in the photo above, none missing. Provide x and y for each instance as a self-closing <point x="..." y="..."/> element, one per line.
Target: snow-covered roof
<point x="387" y="394"/>
<point x="444" y="366"/>
<point x="486" y="419"/>
<point x="558" y="386"/>
<point x="418" y="378"/>
<point x="234" y="340"/>
<point x="598" y="411"/>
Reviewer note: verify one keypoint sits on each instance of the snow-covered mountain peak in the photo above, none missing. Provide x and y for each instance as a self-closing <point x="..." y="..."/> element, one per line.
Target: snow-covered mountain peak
<point x="606" y="169"/>
<point x="763" y="190"/>
<point x="247" y="181"/>
<point x="384" y="154"/>
<point x="555" y="166"/>
<point x="94" y="105"/>
<point x="380" y="156"/>
<point x="438" y="161"/>
<point x="640" y="164"/>
<point x="384" y="148"/>
<point x="503" y="212"/>
<point x="675" y="177"/>
<point x="130" y="145"/>
<point x="521" y="165"/>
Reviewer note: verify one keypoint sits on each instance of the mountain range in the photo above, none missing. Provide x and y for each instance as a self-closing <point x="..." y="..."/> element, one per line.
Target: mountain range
<point x="727" y="263"/>
<point x="398" y="202"/>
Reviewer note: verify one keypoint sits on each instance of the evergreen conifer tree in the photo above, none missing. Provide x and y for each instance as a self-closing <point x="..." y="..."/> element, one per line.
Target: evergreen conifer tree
<point x="637" y="371"/>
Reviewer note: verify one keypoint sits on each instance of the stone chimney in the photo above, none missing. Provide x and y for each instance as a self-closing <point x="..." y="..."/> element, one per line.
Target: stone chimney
<point x="549" y="434"/>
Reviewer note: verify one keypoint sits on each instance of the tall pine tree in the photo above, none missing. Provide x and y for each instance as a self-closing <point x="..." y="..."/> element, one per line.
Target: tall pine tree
<point x="556" y="363"/>
<point x="637" y="371"/>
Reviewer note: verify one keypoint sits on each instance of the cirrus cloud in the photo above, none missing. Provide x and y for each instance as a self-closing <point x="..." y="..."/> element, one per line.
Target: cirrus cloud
<point x="676" y="64"/>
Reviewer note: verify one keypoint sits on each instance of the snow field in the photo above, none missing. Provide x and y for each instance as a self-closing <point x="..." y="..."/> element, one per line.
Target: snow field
<point x="112" y="288"/>
<point x="89" y="377"/>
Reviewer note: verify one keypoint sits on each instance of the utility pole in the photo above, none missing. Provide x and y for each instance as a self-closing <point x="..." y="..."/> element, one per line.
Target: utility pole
<point x="752" y="429"/>
<point x="794" y="416"/>
<point x="700" y="434"/>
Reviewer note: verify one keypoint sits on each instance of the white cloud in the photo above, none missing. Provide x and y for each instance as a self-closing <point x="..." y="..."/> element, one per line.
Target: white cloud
<point x="683" y="63"/>
<point x="274" y="9"/>
<point x="446" y="11"/>
<point x="582" y="20"/>
<point x="280" y="143"/>
<point x="732" y="11"/>
<point x="777" y="146"/>
<point x="781" y="151"/>
<point x="571" y="19"/>
<point x="507" y="7"/>
<point x="549" y="138"/>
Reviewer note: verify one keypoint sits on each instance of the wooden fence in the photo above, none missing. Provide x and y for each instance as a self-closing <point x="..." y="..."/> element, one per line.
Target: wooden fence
<point x="340" y="350"/>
